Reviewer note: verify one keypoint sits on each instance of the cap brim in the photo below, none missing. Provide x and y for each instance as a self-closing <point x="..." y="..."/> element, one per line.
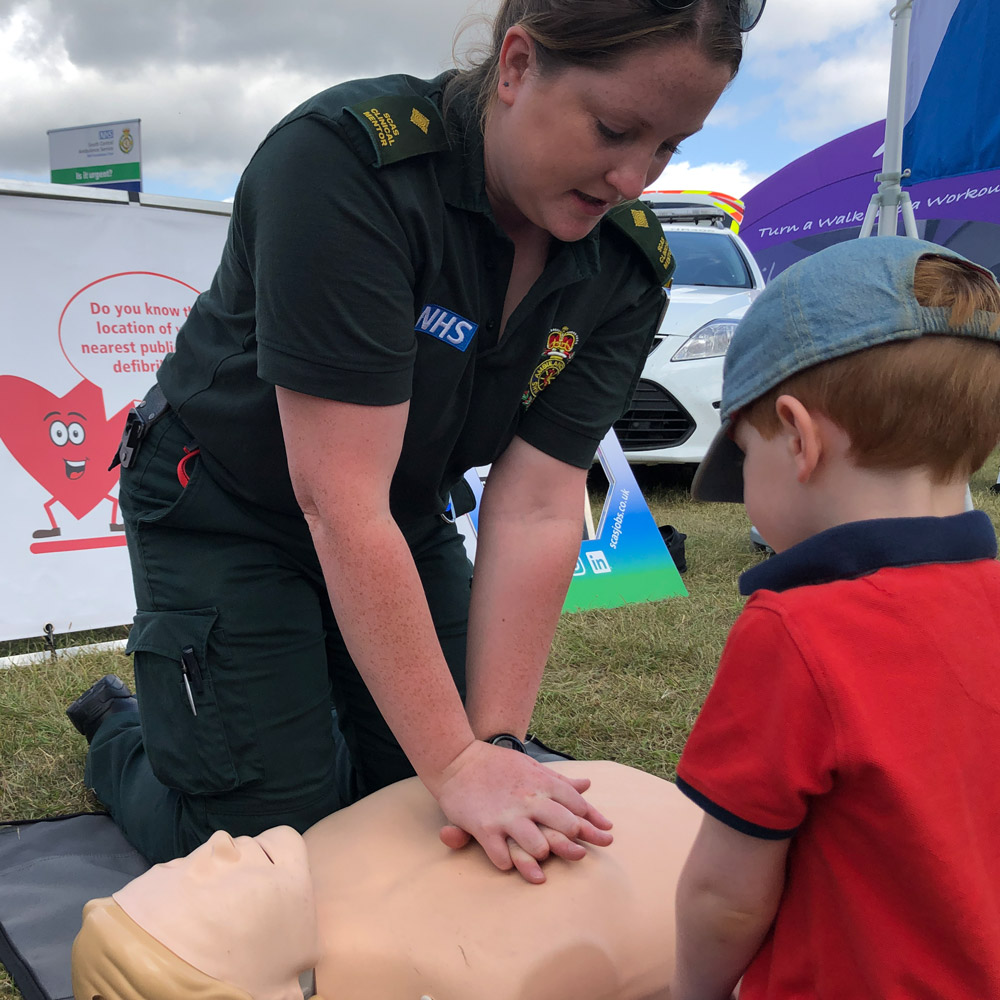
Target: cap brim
<point x="719" y="478"/>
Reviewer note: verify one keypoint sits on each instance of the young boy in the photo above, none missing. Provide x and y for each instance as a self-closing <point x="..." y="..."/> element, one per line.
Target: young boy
<point x="848" y="752"/>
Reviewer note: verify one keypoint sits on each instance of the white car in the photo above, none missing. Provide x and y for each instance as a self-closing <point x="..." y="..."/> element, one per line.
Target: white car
<point x="675" y="410"/>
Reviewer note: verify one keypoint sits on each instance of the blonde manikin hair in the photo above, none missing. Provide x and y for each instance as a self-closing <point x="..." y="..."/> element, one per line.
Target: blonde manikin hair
<point x="115" y="959"/>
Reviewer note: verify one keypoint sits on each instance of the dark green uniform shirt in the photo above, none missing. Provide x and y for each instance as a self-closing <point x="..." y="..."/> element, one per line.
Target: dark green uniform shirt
<point x="363" y="264"/>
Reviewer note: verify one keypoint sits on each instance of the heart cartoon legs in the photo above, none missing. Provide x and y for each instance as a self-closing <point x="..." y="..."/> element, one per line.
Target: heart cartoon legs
<point x="55" y="531"/>
<point x="52" y="532"/>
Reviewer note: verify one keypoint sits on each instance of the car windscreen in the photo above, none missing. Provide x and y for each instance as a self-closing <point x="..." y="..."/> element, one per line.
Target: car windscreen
<point x="707" y="258"/>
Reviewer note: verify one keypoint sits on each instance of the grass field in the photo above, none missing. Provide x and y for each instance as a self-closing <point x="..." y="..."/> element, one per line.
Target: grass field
<point x="624" y="684"/>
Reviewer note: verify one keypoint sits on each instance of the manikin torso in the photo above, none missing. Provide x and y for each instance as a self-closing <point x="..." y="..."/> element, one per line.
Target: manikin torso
<point x="450" y="926"/>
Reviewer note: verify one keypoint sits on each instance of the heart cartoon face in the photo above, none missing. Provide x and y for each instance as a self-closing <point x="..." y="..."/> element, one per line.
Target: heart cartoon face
<point x="63" y="442"/>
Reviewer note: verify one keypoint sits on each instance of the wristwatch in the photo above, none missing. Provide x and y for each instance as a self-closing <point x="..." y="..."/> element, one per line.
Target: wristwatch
<point x="507" y="740"/>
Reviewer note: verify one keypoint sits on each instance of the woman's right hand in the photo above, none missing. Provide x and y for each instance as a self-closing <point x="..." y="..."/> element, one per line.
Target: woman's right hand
<point x="519" y="810"/>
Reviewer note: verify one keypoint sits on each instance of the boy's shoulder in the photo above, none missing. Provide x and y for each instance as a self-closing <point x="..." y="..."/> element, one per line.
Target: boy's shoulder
<point x="862" y="642"/>
<point x="881" y="600"/>
<point x="847" y="559"/>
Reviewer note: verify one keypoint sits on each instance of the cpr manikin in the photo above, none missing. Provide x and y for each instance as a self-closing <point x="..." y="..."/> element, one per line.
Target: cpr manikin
<point x="372" y="900"/>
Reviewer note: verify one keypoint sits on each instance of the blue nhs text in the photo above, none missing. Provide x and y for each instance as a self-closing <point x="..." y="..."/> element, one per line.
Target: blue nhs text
<point x="447" y="326"/>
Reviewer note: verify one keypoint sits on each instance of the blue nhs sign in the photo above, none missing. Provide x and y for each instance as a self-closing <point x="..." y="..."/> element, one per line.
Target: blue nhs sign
<point x="447" y="326"/>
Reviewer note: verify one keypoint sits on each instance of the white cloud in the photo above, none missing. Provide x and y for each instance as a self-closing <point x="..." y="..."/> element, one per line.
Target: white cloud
<point x="814" y="93"/>
<point x="726" y="178"/>
<point x="207" y="81"/>
<point x="840" y="92"/>
<point x="199" y="119"/>
<point x="788" y="24"/>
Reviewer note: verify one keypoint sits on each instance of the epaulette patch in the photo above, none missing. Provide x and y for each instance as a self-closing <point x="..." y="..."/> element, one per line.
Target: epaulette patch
<point x="401" y="126"/>
<point x="640" y="224"/>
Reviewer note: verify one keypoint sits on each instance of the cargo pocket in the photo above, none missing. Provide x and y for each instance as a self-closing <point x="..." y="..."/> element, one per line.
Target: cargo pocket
<point x="188" y="727"/>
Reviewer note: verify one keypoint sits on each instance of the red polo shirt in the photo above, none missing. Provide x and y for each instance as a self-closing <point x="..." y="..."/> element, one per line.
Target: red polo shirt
<point x="857" y="710"/>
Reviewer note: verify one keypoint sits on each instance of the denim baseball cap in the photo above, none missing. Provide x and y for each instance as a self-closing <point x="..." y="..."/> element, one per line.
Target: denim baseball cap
<point x="846" y="298"/>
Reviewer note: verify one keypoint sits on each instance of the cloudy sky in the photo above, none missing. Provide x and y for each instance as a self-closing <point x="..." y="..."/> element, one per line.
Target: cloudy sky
<point x="209" y="77"/>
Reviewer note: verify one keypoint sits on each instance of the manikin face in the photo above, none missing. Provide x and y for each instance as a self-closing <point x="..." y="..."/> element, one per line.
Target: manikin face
<point x="255" y="893"/>
<point x="565" y="147"/>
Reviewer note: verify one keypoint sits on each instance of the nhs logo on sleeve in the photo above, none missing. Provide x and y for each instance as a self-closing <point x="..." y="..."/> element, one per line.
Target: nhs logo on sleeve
<point x="447" y="326"/>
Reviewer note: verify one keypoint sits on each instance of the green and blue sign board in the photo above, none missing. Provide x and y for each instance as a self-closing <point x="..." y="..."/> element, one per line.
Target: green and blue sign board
<point x="626" y="562"/>
<point x="108" y="155"/>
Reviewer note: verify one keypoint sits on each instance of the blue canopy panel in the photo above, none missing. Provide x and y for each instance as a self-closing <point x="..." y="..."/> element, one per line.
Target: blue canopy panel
<point x="953" y="90"/>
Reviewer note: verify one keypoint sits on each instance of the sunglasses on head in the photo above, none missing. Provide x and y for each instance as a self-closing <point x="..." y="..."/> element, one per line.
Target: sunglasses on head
<point x="749" y="10"/>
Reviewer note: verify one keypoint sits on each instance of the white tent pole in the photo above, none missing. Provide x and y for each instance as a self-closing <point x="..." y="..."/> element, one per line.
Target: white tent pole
<point x="890" y="196"/>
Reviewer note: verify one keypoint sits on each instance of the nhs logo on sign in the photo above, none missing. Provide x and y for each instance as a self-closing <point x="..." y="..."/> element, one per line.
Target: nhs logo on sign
<point x="447" y="326"/>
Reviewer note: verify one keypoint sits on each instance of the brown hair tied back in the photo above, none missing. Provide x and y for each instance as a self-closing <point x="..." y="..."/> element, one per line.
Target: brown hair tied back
<point x="596" y="34"/>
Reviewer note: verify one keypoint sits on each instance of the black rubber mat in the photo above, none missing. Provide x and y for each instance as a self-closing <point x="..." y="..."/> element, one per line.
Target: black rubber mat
<point x="48" y="869"/>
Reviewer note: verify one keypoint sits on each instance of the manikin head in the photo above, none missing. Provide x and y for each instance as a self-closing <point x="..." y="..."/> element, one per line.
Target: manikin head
<point x="234" y="919"/>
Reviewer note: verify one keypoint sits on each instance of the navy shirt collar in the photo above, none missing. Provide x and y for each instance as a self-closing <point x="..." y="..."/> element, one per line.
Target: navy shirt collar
<point x="858" y="548"/>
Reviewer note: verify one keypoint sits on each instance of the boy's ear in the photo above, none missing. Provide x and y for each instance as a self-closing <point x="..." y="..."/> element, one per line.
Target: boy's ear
<point x="802" y="433"/>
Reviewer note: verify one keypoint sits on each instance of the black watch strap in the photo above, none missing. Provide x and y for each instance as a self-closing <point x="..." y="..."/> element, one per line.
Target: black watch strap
<point x="507" y="740"/>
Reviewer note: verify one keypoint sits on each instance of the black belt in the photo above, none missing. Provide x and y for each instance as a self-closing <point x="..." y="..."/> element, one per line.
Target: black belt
<point x="140" y="418"/>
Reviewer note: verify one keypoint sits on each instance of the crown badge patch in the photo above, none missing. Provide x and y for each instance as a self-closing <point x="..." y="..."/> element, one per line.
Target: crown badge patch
<point x="559" y="349"/>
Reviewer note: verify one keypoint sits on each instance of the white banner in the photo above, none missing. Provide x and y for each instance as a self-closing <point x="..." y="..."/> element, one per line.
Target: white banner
<point x="93" y="289"/>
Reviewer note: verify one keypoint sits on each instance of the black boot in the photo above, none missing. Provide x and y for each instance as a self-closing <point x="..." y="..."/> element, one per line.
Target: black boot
<point x="109" y="695"/>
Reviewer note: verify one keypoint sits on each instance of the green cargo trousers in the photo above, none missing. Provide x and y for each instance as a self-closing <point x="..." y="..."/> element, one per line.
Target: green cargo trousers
<point x="239" y="664"/>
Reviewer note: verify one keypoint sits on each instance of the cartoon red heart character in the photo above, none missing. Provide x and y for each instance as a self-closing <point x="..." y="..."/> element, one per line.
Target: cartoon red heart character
<point x="63" y="442"/>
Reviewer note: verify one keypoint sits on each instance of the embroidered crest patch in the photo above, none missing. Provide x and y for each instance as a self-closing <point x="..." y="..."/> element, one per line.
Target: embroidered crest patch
<point x="559" y="351"/>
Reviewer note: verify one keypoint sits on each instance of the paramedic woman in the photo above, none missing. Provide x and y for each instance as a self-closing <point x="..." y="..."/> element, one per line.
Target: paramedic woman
<point x="419" y="277"/>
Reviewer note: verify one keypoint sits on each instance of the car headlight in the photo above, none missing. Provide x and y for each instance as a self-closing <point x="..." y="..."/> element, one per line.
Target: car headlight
<point x="710" y="341"/>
